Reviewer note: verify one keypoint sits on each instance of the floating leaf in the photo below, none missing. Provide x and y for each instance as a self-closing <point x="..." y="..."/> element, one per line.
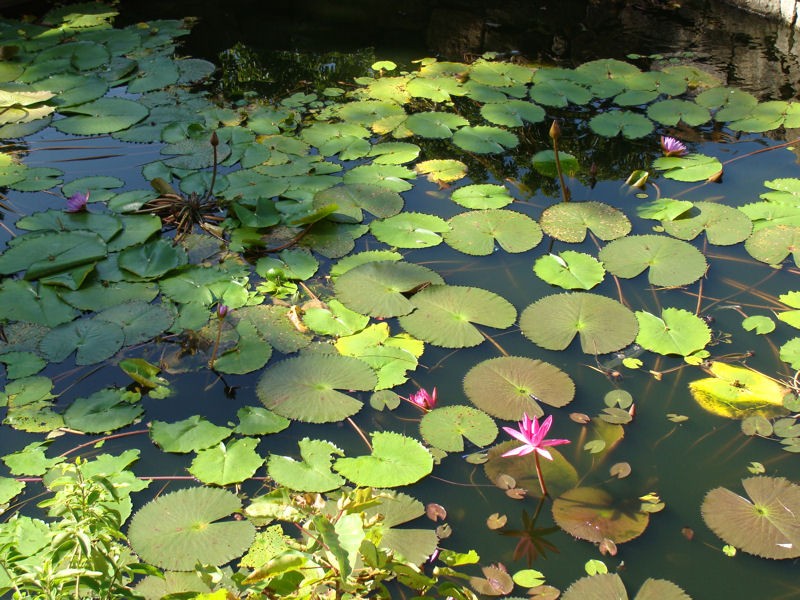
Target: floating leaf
<point x="559" y="474"/>
<point x="313" y="473"/>
<point x="177" y="530"/>
<point x="435" y="125"/>
<point x="335" y="320"/>
<point x="724" y="225"/>
<point x="483" y="195"/>
<point x="510" y="386"/>
<point x="94" y="340"/>
<point x="569" y="221"/>
<point x="671" y="262"/>
<point x="476" y="232"/>
<point x="256" y="420"/>
<point x="152" y="259"/>
<point x="738" y="392"/>
<point x="444" y="315"/>
<point x="677" y="332"/>
<point x="377" y="288"/>
<point x="608" y="586"/>
<point x="350" y="199"/>
<point x="250" y="353"/>
<point x="631" y="125"/>
<point x="674" y="111"/>
<point x="664" y="209"/>
<point x="445" y="428"/>
<point x="21" y="364"/>
<point x="442" y="171"/>
<point x="484" y="139"/>
<point x="604" y="325"/>
<point x="407" y="543"/>
<point x="390" y="356"/>
<point x="140" y="321"/>
<point x="305" y="388"/>
<point x="570" y="270"/>
<point x="104" y="115"/>
<point x="544" y="162"/>
<point x="759" y="323"/>
<point x="48" y="253"/>
<point x="765" y="524"/>
<point x="512" y="113"/>
<point x="33" y="303"/>
<point x="790" y="353"/>
<point x="395" y="460"/>
<point x="772" y="244"/>
<point x="410" y="230"/>
<point x="692" y="167"/>
<point x="188" y="435"/>
<point x="106" y="410"/>
<point x="226" y="464"/>
<point x="31" y="460"/>
<point x="592" y="514"/>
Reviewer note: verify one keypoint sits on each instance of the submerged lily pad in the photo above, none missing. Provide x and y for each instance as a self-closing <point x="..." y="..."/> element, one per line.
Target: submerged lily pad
<point x="177" y="530"/>
<point x="604" y="325"/>
<point x="444" y="315"/>
<point x="671" y="262"/>
<point x="738" y="392"/>
<point x="594" y="515"/>
<point x="765" y="524"/>
<point x="569" y="221"/>
<point x="395" y="460"/>
<point x="509" y="386"/>
<point x="476" y="232"/>
<point x="446" y="428"/>
<point x="305" y="388"/>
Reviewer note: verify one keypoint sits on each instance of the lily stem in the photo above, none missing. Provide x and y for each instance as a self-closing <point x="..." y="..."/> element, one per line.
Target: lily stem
<point x="565" y="193"/>
<point x="539" y="475"/>
<point x="213" y="358"/>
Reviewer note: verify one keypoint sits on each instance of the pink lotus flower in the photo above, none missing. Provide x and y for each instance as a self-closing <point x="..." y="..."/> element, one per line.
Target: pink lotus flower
<point x="423" y="399"/>
<point x="672" y="147"/>
<point x="531" y="434"/>
<point x="222" y="311"/>
<point x="77" y="202"/>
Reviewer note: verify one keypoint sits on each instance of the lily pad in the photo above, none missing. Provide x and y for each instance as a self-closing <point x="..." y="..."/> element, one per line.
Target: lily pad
<point x="485" y="139"/>
<point x="313" y="473"/>
<point x="377" y="288"/>
<point x="692" y="167"/>
<point x="677" y="332"/>
<point x="152" y="259"/>
<point x="724" y="225"/>
<point x="410" y="230"/>
<point x="94" y="340"/>
<point x="442" y="171"/>
<point x="106" y="410"/>
<point x="104" y="115"/>
<point x="772" y="244"/>
<point x="594" y="515"/>
<point x="604" y="325"/>
<point x="47" y="253"/>
<point x="569" y="221"/>
<point x="544" y="162"/>
<point x="225" y="464"/>
<point x="570" y="270"/>
<point x="674" y="111"/>
<point x="765" y="524"/>
<point x="407" y="543"/>
<point x="188" y="435"/>
<point x="671" y="262"/>
<point x="476" y="232"/>
<point x="395" y="460"/>
<point x="177" y="530"/>
<point x="664" y="209"/>
<point x="738" y="392"/>
<point x="256" y="420"/>
<point x="305" y="388"/>
<point x="631" y="125"/>
<point x="482" y="195"/>
<point x="444" y="315"/>
<point x="351" y="199"/>
<point x="435" y="125"/>
<point x="559" y="474"/>
<point x="390" y="356"/>
<point x="335" y="320"/>
<point x="609" y="586"/>
<point x="446" y="428"/>
<point x="140" y="321"/>
<point x="508" y="387"/>
<point x="512" y="113"/>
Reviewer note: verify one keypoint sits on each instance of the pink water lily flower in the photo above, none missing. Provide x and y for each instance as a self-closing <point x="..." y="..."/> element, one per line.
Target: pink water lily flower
<point x="77" y="202"/>
<point x="672" y="147"/>
<point x="532" y="435"/>
<point x="423" y="399"/>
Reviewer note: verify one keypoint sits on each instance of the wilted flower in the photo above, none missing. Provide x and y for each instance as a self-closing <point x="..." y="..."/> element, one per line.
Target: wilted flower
<point x="77" y="202"/>
<point x="222" y="311"/>
<point x="532" y="435"/>
<point x="672" y="147"/>
<point x="423" y="399"/>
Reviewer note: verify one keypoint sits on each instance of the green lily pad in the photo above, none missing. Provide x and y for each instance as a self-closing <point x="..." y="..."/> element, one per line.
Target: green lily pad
<point x="140" y="321"/>
<point x="559" y="92"/>
<point x="594" y="515"/>
<point x="786" y="190"/>
<point x="724" y="225"/>
<point x="31" y="460"/>
<point x="437" y="89"/>
<point x="305" y="388"/>
<point x="444" y="315"/>
<point x="225" y="464"/>
<point x="21" y="364"/>
<point x="609" y="586"/>
<point x="772" y="244"/>
<point x="671" y="262"/>
<point x="106" y="410"/>
<point x="377" y="288"/>
<point x="765" y="524"/>
<point x="446" y="428"/>
<point x="631" y="125"/>
<point x="765" y="116"/>
<point x="558" y="473"/>
<point x="677" y="332"/>
<point x="435" y="125"/>
<point x="274" y="326"/>
<point x="390" y="356"/>
<point x="692" y="167"/>
<point x="731" y="103"/>
<point x="510" y="386"/>
<point x="395" y="460"/>
<point x="250" y="353"/>
<point x="98" y="297"/>
<point x="95" y="340"/>
<point x="313" y="473"/>
<point x="512" y="113"/>
<point x="188" y="435"/>
<point x="143" y="373"/>
<point x="104" y="115"/>
<point x="153" y="259"/>
<point x="351" y="199"/>
<point x="500" y="74"/>
<point x="758" y="323"/>
<point x="737" y="392"/>
<point x="604" y="325"/>
<point x="391" y="177"/>
<point x="570" y="270"/>
<point x="154" y="73"/>
<point x="177" y="530"/>
<point x="544" y="162"/>
<point x="38" y="179"/>
<point x="407" y="543"/>
<point x="257" y="420"/>
<point x="481" y="196"/>
<point x="485" y="139"/>
<point x="665" y="209"/>
<point x="33" y="303"/>
<point x="394" y="153"/>
<point x="570" y="221"/>
<point x="410" y="230"/>
<point x="442" y="171"/>
<point x="476" y="232"/>
<point x="366" y="112"/>
<point x="790" y="352"/>
<point x="335" y="320"/>
<point x="674" y="111"/>
<point x="353" y="260"/>
<point x="47" y="253"/>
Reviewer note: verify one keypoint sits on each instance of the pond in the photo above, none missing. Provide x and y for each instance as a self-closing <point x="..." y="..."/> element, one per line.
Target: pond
<point x="380" y="227"/>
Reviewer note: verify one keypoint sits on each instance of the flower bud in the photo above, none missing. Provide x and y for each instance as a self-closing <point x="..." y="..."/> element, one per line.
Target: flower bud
<point x="555" y="130"/>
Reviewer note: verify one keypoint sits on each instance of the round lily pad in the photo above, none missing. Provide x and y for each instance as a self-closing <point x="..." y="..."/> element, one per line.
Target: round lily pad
<point x="631" y="125"/>
<point x="594" y="515"/>
<point x="410" y="230"/>
<point x="765" y="524"/>
<point x="482" y="195"/>
<point x="609" y="586"/>
<point x="305" y="388"/>
<point x="484" y="139"/>
<point x="104" y="115"/>
<point x="446" y="428"/>
<point x="671" y="262"/>
<point x="476" y="232"/>
<point x="395" y="460"/>
<point x="512" y="113"/>
<point x="737" y="392"/>
<point x="692" y="167"/>
<point x="224" y="464"/>
<point x="176" y="531"/>
<point x="569" y="221"/>
<point x="604" y="325"/>
<point x="442" y="171"/>
<point x="105" y="410"/>
<point x="352" y="198"/>
<point x="444" y="315"/>
<point x="724" y="225"/>
<point x="673" y="111"/>
<point x="544" y="162"/>
<point x="140" y="321"/>
<point x="774" y="243"/>
<point x="47" y="253"/>
<point x="435" y="125"/>
<point x="152" y="259"/>
<point x="508" y="387"/>
<point x="94" y="339"/>
<point x="677" y="331"/>
<point x="377" y="288"/>
<point x="570" y="270"/>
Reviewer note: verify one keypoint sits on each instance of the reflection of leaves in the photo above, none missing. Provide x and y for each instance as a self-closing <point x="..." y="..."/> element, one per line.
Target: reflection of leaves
<point x="531" y="544"/>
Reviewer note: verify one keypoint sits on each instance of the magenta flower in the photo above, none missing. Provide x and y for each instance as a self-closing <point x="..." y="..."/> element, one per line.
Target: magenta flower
<point x="672" y="147"/>
<point x="222" y="311"/>
<point x="423" y="399"/>
<point x="77" y="202"/>
<point x="531" y="434"/>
